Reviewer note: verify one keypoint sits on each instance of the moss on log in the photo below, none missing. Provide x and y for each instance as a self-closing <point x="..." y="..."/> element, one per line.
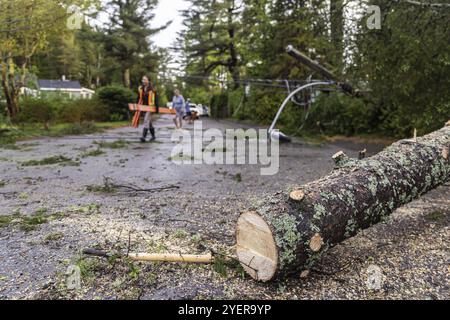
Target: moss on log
<point x="290" y="231"/>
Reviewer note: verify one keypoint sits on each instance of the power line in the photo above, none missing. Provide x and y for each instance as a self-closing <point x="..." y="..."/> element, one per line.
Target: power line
<point x="428" y="4"/>
<point x="255" y="81"/>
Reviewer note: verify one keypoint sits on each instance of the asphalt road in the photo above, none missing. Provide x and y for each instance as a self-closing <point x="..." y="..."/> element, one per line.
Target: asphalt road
<point x="78" y="210"/>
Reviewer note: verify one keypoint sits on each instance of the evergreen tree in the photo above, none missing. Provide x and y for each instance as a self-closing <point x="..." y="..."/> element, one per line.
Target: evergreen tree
<point x="127" y="38"/>
<point x="211" y="38"/>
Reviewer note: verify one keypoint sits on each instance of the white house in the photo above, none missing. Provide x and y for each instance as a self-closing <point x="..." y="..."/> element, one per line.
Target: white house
<point x="72" y="88"/>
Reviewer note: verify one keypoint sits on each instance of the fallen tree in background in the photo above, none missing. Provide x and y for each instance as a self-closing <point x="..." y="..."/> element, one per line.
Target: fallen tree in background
<point x="290" y="232"/>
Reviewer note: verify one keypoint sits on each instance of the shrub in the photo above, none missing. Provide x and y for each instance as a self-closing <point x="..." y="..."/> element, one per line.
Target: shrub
<point x="36" y="110"/>
<point x="116" y="99"/>
<point x="339" y="114"/>
<point x="82" y="110"/>
<point x="198" y="95"/>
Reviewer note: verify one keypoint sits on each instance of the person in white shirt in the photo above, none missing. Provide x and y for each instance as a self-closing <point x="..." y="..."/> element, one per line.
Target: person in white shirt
<point x="179" y="105"/>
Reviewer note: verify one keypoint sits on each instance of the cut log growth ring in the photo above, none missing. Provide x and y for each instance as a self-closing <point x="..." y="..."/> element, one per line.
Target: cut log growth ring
<point x="256" y="247"/>
<point x="289" y="232"/>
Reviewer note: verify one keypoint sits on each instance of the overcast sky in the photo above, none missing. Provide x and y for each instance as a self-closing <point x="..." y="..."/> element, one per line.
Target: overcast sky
<point x="168" y="10"/>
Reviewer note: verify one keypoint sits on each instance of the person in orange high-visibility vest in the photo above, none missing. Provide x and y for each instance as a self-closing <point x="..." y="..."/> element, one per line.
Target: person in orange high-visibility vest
<point x="148" y="97"/>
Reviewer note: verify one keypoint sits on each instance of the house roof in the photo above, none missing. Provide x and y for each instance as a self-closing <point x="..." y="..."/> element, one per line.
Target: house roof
<point x="59" y="84"/>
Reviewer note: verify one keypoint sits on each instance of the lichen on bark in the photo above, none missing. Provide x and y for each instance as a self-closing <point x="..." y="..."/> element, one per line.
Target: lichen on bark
<point x="354" y="196"/>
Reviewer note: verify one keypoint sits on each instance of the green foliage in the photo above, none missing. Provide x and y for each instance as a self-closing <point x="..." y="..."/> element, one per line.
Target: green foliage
<point x="48" y="161"/>
<point x="82" y="110"/>
<point x="58" y="109"/>
<point x="116" y="99"/>
<point x="223" y="265"/>
<point x="404" y="68"/>
<point x="89" y="267"/>
<point x="29" y="223"/>
<point x="261" y="106"/>
<point x="219" y="106"/>
<point x="198" y="95"/>
<point x="337" y="113"/>
<point x="211" y="39"/>
<point x="56" y="236"/>
<point x="93" y="153"/>
<point x="406" y="65"/>
<point x="25" y="29"/>
<point x="127" y="39"/>
<point x="35" y="110"/>
<point x="435" y="216"/>
<point x="235" y="101"/>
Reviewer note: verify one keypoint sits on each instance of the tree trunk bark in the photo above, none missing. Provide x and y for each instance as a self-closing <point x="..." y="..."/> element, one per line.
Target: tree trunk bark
<point x="9" y="88"/>
<point x="126" y="78"/>
<point x="233" y="62"/>
<point x="337" y="34"/>
<point x="289" y="232"/>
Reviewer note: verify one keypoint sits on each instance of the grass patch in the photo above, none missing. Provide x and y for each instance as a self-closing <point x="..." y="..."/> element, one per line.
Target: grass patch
<point x="51" y="237"/>
<point x="94" y="153"/>
<point x="10" y="135"/>
<point x="19" y="147"/>
<point x="237" y="177"/>
<point x="6" y="221"/>
<point x="80" y="128"/>
<point x="89" y="267"/>
<point x="180" y="234"/>
<point x="196" y="239"/>
<point x="2" y="183"/>
<point x="51" y="161"/>
<point x="435" y="216"/>
<point x="222" y="266"/>
<point x="314" y="140"/>
<point x="118" y="144"/>
<point x="181" y="157"/>
<point x="31" y="222"/>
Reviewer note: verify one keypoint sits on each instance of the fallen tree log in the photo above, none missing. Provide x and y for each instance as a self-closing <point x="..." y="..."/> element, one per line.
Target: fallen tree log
<point x="289" y="231"/>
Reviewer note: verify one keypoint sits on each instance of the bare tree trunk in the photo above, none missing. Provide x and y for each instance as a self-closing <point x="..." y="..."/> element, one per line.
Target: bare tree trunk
<point x="337" y="33"/>
<point x="289" y="233"/>
<point x="233" y="63"/>
<point x="9" y="88"/>
<point x="126" y="78"/>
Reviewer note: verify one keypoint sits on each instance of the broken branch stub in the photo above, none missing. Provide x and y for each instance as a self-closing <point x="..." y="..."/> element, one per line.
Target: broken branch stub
<point x="282" y="236"/>
<point x="297" y="195"/>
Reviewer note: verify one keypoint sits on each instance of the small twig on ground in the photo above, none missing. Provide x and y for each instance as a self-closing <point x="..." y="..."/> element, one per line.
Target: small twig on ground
<point x="8" y="193"/>
<point x="332" y="272"/>
<point x="129" y="244"/>
<point x="109" y="187"/>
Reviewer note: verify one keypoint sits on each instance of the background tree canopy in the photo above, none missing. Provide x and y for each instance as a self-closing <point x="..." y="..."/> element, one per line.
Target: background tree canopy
<point x="403" y="67"/>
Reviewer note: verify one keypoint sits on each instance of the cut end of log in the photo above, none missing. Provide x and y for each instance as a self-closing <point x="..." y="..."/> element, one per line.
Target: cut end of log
<point x="316" y="243"/>
<point x="448" y="123"/>
<point x="297" y="195"/>
<point x="339" y="155"/>
<point x="340" y="158"/>
<point x="255" y="247"/>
